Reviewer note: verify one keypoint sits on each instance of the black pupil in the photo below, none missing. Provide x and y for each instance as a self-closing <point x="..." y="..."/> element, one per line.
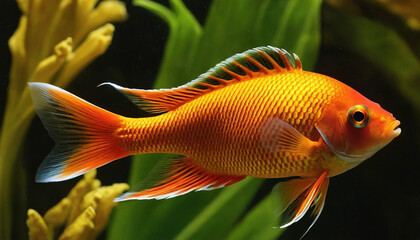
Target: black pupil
<point x="358" y="116"/>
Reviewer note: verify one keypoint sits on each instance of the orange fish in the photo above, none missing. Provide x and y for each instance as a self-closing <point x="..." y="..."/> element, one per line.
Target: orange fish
<point x="255" y="114"/>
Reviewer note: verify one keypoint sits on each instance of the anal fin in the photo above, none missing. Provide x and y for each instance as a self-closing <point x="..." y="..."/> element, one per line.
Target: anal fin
<point x="296" y="196"/>
<point x="182" y="176"/>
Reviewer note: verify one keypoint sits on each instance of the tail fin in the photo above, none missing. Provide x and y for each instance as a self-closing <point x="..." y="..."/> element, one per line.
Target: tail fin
<point x="84" y="133"/>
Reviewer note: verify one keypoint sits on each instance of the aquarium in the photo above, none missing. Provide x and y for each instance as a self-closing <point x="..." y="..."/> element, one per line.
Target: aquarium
<point x="372" y="47"/>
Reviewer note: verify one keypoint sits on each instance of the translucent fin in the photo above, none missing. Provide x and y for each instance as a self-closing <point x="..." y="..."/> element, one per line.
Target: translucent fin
<point x="296" y="196"/>
<point x="83" y="133"/>
<point x="181" y="176"/>
<point x="318" y="203"/>
<point x="251" y="64"/>
<point x="277" y="135"/>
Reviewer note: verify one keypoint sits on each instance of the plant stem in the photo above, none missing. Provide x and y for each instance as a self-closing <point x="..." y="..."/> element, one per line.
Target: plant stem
<point x="13" y="131"/>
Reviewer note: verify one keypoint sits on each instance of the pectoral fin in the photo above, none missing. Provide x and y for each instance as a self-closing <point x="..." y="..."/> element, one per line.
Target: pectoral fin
<point x="294" y="198"/>
<point x="277" y="135"/>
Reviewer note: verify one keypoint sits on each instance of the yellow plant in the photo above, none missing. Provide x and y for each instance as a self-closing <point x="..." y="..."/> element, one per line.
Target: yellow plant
<point x="54" y="41"/>
<point x="84" y="212"/>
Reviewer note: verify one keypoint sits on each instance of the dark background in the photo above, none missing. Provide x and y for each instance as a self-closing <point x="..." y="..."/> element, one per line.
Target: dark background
<point x="378" y="200"/>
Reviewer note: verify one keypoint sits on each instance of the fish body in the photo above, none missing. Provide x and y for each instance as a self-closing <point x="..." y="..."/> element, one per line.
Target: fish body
<point x="228" y="131"/>
<point x="256" y="114"/>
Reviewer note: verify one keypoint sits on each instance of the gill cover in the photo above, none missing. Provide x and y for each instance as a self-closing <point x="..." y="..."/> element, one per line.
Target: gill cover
<point x="333" y="126"/>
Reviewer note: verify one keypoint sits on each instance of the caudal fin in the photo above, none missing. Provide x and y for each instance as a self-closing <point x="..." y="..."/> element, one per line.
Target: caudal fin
<point x="84" y="133"/>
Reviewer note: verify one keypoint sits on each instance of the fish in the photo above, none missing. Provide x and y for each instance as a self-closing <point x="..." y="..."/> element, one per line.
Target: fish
<point x="256" y="114"/>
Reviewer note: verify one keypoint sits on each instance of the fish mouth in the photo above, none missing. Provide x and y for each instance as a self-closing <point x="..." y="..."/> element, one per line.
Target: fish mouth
<point x="394" y="129"/>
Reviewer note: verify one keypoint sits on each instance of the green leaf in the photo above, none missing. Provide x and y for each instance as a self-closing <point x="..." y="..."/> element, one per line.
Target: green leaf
<point x="237" y="25"/>
<point x="227" y="206"/>
<point x="232" y="26"/>
<point x="259" y="223"/>
<point x="184" y="35"/>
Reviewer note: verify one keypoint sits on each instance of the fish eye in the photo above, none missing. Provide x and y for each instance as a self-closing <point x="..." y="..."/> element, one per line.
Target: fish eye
<point x="358" y="116"/>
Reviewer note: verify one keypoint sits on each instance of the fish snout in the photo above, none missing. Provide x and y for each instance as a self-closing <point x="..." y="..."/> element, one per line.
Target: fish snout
<point x="393" y="130"/>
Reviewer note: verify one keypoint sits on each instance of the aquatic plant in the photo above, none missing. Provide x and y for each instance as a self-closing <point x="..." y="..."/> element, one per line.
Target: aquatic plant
<point x="54" y="41"/>
<point x="82" y="215"/>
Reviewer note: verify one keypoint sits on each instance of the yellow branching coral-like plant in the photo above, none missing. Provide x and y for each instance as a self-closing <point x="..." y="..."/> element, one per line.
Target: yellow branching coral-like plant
<point x="83" y="214"/>
<point x="54" y="41"/>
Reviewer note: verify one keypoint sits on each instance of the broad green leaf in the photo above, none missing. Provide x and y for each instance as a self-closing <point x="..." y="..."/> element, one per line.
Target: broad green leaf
<point x="259" y="223"/>
<point x="232" y="26"/>
<point x="184" y="35"/>
<point x="235" y="26"/>
<point x="225" y="208"/>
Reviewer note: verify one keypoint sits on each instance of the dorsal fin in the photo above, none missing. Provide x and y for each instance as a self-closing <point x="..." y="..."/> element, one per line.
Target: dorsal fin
<point x="257" y="62"/>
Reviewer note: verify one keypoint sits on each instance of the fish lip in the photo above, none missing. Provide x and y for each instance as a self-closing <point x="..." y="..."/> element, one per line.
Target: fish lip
<point x="394" y="130"/>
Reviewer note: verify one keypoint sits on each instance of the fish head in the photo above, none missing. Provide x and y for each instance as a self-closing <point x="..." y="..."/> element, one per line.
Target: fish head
<point x="355" y="128"/>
